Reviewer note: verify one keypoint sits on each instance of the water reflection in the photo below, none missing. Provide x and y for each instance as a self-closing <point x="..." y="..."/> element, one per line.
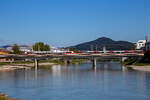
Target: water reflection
<point x="109" y="80"/>
<point x="36" y="70"/>
<point x="56" y="70"/>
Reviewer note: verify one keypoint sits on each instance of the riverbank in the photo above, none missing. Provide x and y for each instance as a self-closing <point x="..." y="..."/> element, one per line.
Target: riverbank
<point x="8" y="66"/>
<point x="5" y="97"/>
<point x="137" y="65"/>
<point x="139" y="68"/>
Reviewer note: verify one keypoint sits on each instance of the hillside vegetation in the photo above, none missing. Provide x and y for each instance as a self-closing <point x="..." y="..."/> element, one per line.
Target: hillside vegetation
<point x="104" y="41"/>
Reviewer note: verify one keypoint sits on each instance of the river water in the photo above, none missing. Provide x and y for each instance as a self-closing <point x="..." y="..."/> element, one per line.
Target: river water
<point x="110" y="81"/>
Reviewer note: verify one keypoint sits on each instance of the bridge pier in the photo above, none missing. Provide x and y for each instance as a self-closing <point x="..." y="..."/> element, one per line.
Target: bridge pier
<point x="124" y="58"/>
<point x="36" y="63"/>
<point x="94" y="63"/>
<point x="66" y="61"/>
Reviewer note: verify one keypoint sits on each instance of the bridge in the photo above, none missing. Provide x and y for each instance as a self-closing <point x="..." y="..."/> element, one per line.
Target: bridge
<point x="68" y="57"/>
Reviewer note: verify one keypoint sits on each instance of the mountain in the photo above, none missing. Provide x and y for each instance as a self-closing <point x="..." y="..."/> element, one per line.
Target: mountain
<point x="104" y="42"/>
<point x="6" y="46"/>
<point x="22" y="47"/>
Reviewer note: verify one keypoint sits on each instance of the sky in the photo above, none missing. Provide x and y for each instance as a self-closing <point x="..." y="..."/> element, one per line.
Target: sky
<point x="62" y="23"/>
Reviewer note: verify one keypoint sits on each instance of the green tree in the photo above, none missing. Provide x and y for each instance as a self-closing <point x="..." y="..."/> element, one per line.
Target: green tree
<point x="16" y="49"/>
<point x="40" y="46"/>
<point x="75" y="50"/>
<point x="47" y="47"/>
<point x="147" y="56"/>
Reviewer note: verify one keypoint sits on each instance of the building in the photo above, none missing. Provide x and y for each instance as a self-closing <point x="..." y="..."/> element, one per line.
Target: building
<point x="140" y="44"/>
<point x="4" y="52"/>
<point x="148" y="45"/>
<point x="23" y="48"/>
<point x="58" y="50"/>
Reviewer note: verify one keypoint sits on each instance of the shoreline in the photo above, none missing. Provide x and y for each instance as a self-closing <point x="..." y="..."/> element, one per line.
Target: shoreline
<point x="6" y="97"/>
<point x="10" y="67"/>
<point x="29" y="65"/>
<point x="139" y="68"/>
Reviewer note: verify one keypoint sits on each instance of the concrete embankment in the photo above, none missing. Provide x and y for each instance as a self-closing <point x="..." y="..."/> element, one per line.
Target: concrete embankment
<point x="139" y="68"/>
<point x="21" y="66"/>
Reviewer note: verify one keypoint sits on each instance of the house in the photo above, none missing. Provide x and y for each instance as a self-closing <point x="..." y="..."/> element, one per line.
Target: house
<point x="23" y="48"/>
<point x="4" y="52"/>
<point x="140" y="44"/>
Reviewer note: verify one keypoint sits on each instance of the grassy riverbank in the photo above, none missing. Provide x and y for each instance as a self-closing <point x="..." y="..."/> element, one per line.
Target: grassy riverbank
<point x="1" y="98"/>
<point x="135" y="62"/>
<point x="5" y="97"/>
<point x="139" y="63"/>
<point x="43" y="61"/>
<point x="77" y="61"/>
<point x="60" y="62"/>
<point x="31" y="62"/>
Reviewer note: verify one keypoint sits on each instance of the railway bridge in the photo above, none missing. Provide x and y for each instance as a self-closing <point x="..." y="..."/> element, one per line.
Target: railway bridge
<point x="66" y="58"/>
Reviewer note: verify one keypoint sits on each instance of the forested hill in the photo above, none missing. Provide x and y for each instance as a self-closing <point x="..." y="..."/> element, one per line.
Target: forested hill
<point x="107" y="42"/>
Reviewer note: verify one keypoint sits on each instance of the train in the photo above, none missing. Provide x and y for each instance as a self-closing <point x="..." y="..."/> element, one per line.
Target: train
<point x="88" y="52"/>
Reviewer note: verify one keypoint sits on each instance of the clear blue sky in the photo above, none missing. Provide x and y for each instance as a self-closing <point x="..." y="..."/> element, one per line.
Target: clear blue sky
<point x="69" y="22"/>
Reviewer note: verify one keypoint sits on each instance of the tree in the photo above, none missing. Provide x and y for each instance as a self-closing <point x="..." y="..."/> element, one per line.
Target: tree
<point x="40" y="46"/>
<point x="75" y="50"/>
<point x="47" y="47"/>
<point x="16" y="49"/>
<point x="147" y="56"/>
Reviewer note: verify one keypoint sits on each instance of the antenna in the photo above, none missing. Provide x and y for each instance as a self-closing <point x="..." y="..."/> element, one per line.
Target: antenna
<point x="146" y="38"/>
<point x="146" y="47"/>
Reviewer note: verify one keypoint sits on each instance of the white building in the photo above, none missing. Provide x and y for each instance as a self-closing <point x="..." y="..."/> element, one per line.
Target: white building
<point x="140" y="44"/>
<point x="58" y="50"/>
<point x="23" y="48"/>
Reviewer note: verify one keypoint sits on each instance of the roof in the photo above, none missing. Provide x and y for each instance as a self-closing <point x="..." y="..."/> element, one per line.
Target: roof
<point x="3" y="50"/>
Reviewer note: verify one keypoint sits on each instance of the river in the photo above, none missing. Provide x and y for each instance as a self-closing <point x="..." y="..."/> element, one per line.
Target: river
<point x="109" y="81"/>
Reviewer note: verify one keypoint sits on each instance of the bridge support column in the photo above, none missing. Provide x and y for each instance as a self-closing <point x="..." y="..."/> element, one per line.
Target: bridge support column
<point x="66" y="62"/>
<point x="94" y="63"/>
<point x="36" y="63"/>
<point x="124" y="58"/>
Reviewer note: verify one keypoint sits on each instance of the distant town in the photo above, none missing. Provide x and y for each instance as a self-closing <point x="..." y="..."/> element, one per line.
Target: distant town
<point x="95" y="45"/>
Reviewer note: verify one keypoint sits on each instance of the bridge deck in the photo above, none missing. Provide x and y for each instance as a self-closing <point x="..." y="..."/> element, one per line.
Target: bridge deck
<point x="89" y="56"/>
